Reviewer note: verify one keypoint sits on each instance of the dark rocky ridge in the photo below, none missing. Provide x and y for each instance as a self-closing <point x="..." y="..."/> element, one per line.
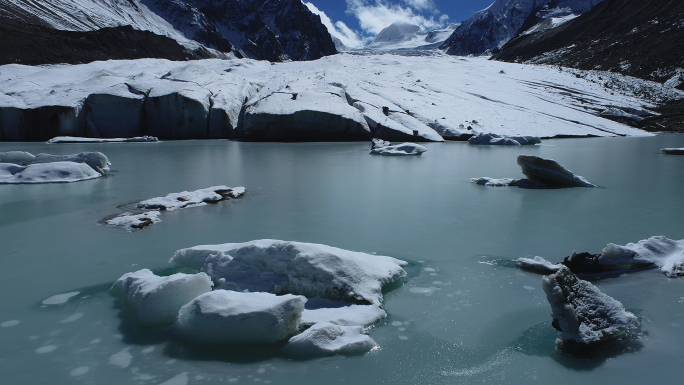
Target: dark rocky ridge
<point x="632" y="37"/>
<point x="31" y="44"/>
<point x="273" y="30"/>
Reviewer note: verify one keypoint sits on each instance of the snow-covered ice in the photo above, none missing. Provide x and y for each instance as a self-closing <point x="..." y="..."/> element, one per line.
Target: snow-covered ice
<point x="181" y="200"/>
<point x="203" y="99"/>
<point x="74" y="139"/>
<point x="503" y="140"/>
<point x="399" y="149"/>
<point x="308" y="269"/>
<point x="582" y="313"/>
<point x="326" y="338"/>
<point x="673" y="151"/>
<point x="229" y="317"/>
<point x="130" y="221"/>
<point x="658" y="251"/>
<point x="362" y="315"/>
<point x="539" y="265"/>
<point x="23" y="167"/>
<point x="157" y="299"/>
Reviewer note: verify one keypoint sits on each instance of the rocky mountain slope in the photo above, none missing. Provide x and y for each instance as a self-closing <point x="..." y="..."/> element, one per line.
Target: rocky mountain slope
<point x="631" y="37"/>
<point x="273" y="30"/>
<point x="489" y="29"/>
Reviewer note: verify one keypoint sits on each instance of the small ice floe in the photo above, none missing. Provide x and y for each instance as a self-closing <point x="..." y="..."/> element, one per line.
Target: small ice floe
<point x="503" y="140"/>
<point x="663" y="253"/>
<point x="362" y="315"/>
<point x="308" y="269"/>
<point x="23" y="167"/>
<point x="541" y="173"/>
<point x="229" y="317"/>
<point x="381" y="147"/>
<point x="181" y="200"/>
<point x="121" y="359"/>
<point x="156" y="299"/>
<point x="76" y="139"/>
<point x="583" y="314"/>
<point x="60" y="298"/>
<point x="326" y="338"/>
<point x="130" y="221"/>
<point x="673" y="151"/>
<point x="9" y="323"/>
<point x="539" y="265"/>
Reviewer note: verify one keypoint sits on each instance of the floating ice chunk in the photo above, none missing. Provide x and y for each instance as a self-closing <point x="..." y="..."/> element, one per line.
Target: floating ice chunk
<point x="17" y="157"/>
<point x="46" y="173"/>
<point x="400" y="149"/>
<point x="96" y="160"/>
<point x="229" y="317"/>
<point x="503" y="140"/>
<point x="9" y="323"/>
<point x="379" y="143"/>
<point x="505" y="182"/>
<point x="60" y="298"/>
<point x="362" y="315"/>
<point x="46" y="349"/>
<point x="673" y="151"/>
<point x="72" y="318"/>
<point x="81" y="370"/>
<point x="181" y="200"/>
<point x="549" y="172"/>
<point x="157" y="299"/>
<point x="121" y="359"/>
<point x="307" y="269"/>
<point x="134" y="221"/>
<point x="666" y="254"/>
<point x="76" y="139"/>
<point x="538" y="265"/>
<point x="582" y="313"/>
<point x="326" y="338"/>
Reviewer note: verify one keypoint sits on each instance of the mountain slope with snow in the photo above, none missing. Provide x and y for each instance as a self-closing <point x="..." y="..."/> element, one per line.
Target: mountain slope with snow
<point x="489" y="29"/>
<point x="404" y="36"/>
<point x="275" y="30"/>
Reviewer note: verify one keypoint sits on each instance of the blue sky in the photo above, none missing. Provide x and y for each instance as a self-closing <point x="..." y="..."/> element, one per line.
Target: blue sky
<point x="355" y="22"/>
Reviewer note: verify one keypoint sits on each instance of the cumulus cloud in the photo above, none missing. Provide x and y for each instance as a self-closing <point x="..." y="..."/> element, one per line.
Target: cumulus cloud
<point x="375" y="15"/>
<point x="339" y="30"/>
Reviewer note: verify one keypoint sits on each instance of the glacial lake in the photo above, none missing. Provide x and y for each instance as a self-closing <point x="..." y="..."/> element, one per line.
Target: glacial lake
<point x="463" y="316"/>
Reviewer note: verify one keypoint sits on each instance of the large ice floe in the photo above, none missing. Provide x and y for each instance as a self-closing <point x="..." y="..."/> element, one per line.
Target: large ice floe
<point x="185" y="199"/>
<point x="171" y="202"/>
<point x="381" y="147"/>
<point x="74" y="139"/>
<point x="655" y="252"/>
<point x="583" y="314"/>
<point x="156" y="299"/>
<point x="340" y="97"/>
<point x="23" y="167"/>
<point x="541" y="173"/>
<point x="503" y="140"/>
<point x="260" y="292"/>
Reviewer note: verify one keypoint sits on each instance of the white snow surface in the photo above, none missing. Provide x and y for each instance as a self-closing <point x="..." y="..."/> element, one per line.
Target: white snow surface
<point x="181" y="200"/>
<point x="130" y="221"/>
<point x="539" y="265"/>
<point x="400" y="149"/>
<point x="308" y="269"/>
<point x="326" y="338"/>
<point x="527" y="100"/>
<point x="405" y="36"/>
<point x="75" y="139"/>
<point x="156" y="299"/>
<point x="666" y="254"/>
<point x="585" y="314"/>
<point x="229" y="317"/>
<point x="360" y="315"/>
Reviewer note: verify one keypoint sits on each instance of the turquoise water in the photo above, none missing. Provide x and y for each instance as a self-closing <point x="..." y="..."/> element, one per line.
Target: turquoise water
<point x="462" y="317"/>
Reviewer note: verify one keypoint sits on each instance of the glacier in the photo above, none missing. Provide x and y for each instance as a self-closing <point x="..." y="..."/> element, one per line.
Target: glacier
<point x="341" y="97"/>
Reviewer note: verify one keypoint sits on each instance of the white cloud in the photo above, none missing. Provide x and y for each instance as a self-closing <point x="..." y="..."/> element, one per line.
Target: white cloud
<point x="339" y="30"/>
<point x="375" y="15"/>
